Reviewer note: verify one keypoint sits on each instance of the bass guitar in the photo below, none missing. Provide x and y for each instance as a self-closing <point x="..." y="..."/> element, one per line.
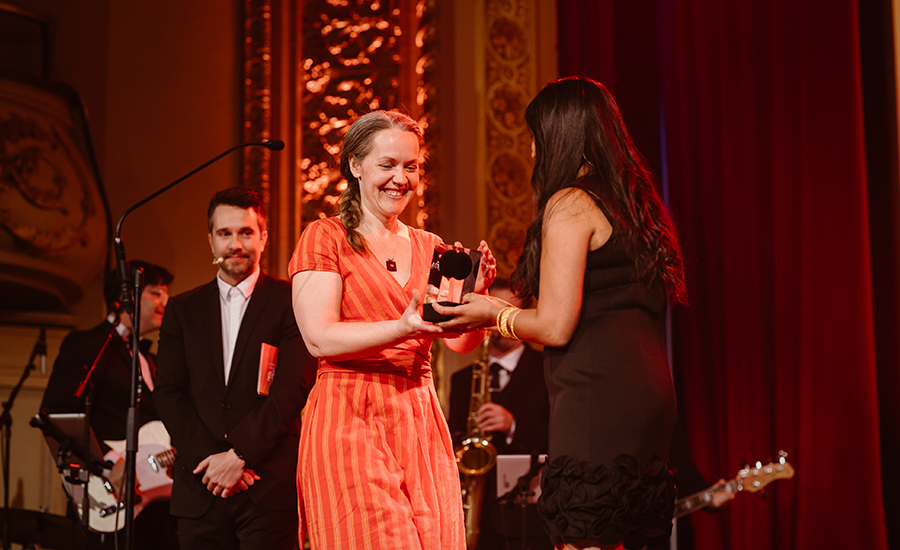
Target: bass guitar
<point x="750" y="479"/>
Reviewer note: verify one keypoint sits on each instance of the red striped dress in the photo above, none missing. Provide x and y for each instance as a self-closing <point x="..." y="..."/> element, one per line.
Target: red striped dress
<point x="376" y="468"/>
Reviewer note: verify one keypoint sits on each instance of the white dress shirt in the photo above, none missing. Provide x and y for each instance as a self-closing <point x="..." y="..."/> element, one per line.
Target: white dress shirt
<point x="234" y="300"/>
<point x="508" y="363"/>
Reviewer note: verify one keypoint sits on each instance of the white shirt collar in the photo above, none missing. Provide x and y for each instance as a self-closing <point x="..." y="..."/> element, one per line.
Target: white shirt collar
<point x="121" y="329"/>
<point x="245" y="287"/>
<point x="511" y="359"/>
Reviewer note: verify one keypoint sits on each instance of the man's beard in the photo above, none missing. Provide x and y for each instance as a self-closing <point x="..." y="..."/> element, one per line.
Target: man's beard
<point x="234" y="269"/>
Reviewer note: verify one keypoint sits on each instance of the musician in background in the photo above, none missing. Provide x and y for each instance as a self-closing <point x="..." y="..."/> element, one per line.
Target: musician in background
<point x="110" y="387"/>
<point x="516" y="418"/>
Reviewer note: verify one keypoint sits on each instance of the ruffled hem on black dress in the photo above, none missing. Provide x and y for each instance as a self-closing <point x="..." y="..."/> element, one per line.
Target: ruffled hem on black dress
<point x="583" y="501"/>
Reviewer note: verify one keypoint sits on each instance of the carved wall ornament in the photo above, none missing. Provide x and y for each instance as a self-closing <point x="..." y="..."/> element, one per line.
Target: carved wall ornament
<point x="52" y="208"/>
<point x="510" y="76"/>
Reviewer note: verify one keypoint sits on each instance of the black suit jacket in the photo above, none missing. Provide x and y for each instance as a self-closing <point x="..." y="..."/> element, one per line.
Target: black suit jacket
<point x="205" y="417"/>
<point x="111" y="381"/>
<point x="525" y="396"/>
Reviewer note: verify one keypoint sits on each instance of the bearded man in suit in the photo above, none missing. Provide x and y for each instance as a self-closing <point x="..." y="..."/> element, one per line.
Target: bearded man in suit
<point x="230" y="388"/>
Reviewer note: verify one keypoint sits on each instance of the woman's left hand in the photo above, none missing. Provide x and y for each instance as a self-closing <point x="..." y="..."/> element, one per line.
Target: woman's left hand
<point x="487" y="270"/>
<point x="475" y="312"/>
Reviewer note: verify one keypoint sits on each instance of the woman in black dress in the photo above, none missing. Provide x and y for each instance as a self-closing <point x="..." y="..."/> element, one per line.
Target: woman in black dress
<point x="602" y="258"/>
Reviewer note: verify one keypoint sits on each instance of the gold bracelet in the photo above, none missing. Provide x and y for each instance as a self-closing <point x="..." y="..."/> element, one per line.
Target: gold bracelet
<point x="509" y="323"/>
<point x="504" y="317"/>
<point x="501" y="322"/>
<point x="499" y="315"/>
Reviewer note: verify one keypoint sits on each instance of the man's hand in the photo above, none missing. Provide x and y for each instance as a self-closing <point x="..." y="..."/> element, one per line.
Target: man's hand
<point x="721" y="497"/>
<point x="494" y="418"/>
<point x="247" y="480"/>
<point x="223" y="473"/>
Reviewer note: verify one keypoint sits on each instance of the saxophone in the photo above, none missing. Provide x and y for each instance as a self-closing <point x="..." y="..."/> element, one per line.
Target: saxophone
<point x="476" y="455"/>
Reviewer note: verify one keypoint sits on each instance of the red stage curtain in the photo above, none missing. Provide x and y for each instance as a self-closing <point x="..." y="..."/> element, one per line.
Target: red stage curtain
<point x="767" y="179"/>
<point x="766" y="169"/>
<point x="879" y="102"/>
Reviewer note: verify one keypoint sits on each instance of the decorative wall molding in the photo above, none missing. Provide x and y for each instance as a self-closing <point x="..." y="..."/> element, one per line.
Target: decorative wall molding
<point x="53" y="213"/>
<point x="510" y="82"/>
<point x="256" y="172"/>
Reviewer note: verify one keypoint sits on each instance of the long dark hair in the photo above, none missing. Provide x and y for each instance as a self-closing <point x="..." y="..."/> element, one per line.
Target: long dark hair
<point x="357" y="144"/>
<point x="575" y="121"/>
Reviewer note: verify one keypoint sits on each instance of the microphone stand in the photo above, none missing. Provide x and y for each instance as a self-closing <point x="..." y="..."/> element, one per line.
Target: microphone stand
<point x="6" y="424"/>
<point x="131" y="424"/>
<point x="131" y="304"/>
<point x="85" y="473"/>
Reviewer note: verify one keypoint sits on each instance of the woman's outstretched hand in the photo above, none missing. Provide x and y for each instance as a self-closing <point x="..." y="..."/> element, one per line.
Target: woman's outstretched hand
<point x="476" y="311"/>
<point x="487" y="270"/>
<point x="411" y="324"/>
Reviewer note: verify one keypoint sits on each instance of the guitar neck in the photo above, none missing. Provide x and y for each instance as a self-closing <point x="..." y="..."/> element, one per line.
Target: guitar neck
<point x="698" y="501"/>
<point x="166" y="458"/>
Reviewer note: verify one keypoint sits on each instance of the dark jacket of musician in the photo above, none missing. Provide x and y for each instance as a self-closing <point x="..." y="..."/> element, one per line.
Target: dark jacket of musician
<point x="109" y="390"/>
<point x="524" y="396"/>
<point x="109" y="384"/>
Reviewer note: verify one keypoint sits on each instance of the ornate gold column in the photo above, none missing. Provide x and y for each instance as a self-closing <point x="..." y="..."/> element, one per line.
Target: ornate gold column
<point x="258" y="105"/>
<point x="511" y="82"/>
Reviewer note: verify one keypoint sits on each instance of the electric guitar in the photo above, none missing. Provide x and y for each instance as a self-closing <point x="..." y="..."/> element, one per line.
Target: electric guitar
<point x="749" y="479"/>
<point x="152" y="482"/>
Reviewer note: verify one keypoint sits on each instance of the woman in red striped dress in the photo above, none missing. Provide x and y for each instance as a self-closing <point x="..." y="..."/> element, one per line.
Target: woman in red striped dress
<point x="376" y="466"/>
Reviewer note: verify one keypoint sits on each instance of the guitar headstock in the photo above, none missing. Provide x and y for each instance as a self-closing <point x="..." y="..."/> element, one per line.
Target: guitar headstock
<point x="753" y="478"/>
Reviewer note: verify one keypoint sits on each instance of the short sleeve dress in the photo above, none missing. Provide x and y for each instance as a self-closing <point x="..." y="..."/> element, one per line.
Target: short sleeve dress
<point x="376" y="467"/>
<point x="612" y="413"/>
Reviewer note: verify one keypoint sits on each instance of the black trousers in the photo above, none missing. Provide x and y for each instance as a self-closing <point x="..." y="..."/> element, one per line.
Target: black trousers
<point x="238" y="523"/>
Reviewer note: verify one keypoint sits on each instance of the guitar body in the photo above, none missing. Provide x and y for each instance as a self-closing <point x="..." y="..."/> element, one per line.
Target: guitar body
<point x="153" y="457"/>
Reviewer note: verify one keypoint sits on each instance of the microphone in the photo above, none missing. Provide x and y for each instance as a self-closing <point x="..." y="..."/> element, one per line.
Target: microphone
<point x="41" y="349"/>
<point x="119" y="246"/>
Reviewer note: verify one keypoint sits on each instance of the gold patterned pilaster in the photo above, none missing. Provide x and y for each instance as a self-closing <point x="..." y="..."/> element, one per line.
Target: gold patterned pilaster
<point x="258" y="100"/>
<point x="510" y="83"/>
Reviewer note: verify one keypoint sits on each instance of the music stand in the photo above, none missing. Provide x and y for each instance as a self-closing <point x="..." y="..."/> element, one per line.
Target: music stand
<point x="522" y="493"/>
<point x="65" y="435"/>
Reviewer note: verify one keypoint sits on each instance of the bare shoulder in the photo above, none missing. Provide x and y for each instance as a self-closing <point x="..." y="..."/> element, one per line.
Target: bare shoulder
<point x="573" y="208"/>
<point x="573" y="202"/>
<point x="571" y="195"/>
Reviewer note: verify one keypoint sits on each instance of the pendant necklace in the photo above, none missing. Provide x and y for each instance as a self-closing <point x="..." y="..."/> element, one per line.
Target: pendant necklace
<point x="390" y="264"/>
